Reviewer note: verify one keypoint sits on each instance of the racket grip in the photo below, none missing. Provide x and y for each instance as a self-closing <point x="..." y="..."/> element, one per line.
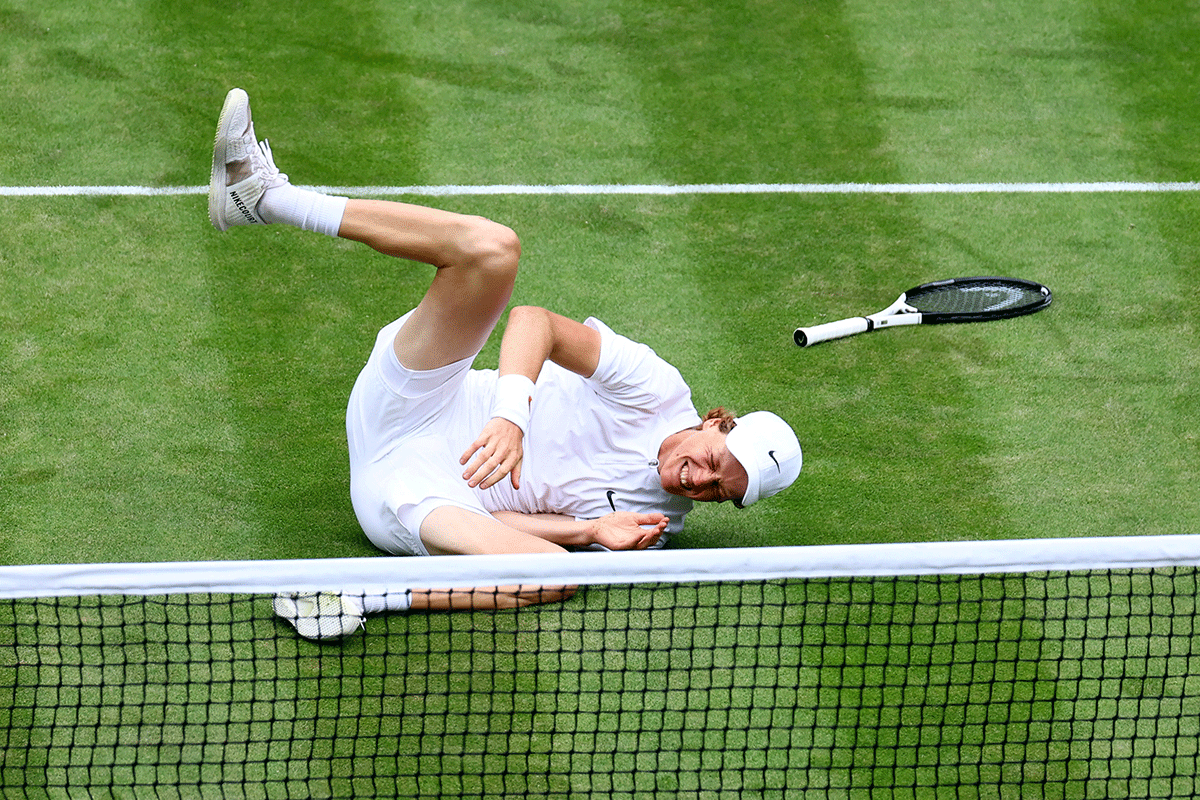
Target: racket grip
<point x="806" y="337"/>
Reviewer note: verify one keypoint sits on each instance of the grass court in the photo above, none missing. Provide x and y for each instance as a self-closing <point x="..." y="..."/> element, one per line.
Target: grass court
<point x="169" y="393"/>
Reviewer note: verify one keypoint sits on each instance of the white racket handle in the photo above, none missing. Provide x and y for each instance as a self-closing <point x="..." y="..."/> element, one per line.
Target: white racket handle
<point x="831" y="330"/>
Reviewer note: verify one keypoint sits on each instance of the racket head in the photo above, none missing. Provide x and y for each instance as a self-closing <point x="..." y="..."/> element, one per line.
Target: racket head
<point x="976" y="299"/>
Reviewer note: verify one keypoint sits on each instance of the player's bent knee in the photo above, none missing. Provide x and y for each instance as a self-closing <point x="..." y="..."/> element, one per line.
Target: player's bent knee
<point x="490" y="247"/>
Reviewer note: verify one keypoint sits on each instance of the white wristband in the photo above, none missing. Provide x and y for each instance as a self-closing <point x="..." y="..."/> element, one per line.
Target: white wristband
<point x="514" y="397"/>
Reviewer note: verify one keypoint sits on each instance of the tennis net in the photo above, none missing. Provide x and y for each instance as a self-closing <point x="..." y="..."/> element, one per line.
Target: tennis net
<point x="1033" y="669"/>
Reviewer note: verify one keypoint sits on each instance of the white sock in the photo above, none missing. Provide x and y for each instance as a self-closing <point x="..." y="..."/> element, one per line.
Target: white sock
<point x="392" y="601"/>
<point x="303" y="208"/>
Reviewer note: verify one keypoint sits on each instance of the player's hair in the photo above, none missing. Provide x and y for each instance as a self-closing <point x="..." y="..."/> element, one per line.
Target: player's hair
<point x="723" y="414"/>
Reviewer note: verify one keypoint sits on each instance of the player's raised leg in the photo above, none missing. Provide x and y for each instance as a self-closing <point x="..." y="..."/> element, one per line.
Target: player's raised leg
<point x="476" y="262"/>
<point x="476" y="259"/>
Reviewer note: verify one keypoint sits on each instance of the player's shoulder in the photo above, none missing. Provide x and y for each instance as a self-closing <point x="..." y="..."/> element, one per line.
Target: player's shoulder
<point x="633" y="368"/>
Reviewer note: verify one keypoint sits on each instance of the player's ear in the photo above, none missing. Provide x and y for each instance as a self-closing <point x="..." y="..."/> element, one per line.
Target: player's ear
<point x="709" y="424"/>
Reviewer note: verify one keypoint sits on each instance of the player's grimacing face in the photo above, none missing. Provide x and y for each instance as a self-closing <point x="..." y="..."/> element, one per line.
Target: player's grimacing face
<point x="701" y="467"/>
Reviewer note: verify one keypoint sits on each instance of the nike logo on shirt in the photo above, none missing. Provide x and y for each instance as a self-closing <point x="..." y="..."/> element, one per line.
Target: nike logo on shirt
<point x="609" y="494"/>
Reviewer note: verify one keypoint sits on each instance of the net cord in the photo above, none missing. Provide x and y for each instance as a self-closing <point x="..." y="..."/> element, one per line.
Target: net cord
<point x="385" y="574"/>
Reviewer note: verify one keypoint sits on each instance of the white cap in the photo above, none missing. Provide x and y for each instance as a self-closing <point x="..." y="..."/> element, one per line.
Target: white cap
<point x="768" y="450"/>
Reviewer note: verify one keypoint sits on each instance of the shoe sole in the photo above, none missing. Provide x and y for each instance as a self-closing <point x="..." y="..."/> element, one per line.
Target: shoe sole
<point x="308" y="625"/>
<point x="216" y="181"/>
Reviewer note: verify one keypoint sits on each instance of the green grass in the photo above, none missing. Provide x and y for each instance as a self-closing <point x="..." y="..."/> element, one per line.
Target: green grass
<point x="1054" y="686"/>
<point x="169" y="393"/>
<point x="172" y="393"/>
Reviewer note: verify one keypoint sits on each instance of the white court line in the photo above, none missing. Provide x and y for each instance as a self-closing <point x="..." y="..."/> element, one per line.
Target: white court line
<point x="643" y="189"/>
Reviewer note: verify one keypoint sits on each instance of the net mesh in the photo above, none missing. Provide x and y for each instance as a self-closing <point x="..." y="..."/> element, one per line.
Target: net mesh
<point x="1074" y="683"/>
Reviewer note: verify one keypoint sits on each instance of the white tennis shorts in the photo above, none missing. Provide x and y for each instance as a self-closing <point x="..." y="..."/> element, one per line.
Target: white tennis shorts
<point x="406" y="430"/>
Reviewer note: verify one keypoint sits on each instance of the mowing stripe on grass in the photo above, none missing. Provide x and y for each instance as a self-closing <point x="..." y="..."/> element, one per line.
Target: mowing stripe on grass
<point x="646" y="189"/>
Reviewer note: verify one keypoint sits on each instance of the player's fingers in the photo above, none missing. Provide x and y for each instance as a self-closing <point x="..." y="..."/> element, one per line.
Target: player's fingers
<point x="488" y="474"/>
<point x="472" y="450"/>
<point x="495" y="476"/>
<point x="515" y="475"/>
<point x="482" y="465"/>
<point x="503" y="466"/>
<point x="479" y="455"/>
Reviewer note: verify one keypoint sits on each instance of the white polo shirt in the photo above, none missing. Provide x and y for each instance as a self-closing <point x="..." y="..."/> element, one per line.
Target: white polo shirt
<point x="591" y="448"/>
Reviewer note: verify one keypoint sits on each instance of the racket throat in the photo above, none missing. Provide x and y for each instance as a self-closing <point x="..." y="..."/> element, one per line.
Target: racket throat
<point x="901" y="317"/>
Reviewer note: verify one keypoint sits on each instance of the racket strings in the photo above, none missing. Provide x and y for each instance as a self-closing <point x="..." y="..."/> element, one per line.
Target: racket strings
<point x="974" y="298"/>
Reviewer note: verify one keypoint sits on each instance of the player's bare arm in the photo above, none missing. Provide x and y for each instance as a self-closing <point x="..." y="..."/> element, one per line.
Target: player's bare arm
<point x="622" y="530"/>
<point x="533" y="336"/>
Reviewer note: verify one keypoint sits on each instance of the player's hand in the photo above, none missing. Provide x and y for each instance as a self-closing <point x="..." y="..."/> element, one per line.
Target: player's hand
<point x="496" y="453"/>
<point x="627" y="530"/>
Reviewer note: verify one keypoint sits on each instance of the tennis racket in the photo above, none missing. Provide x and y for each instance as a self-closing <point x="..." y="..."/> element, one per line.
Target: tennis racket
<point x="954" y="300"/>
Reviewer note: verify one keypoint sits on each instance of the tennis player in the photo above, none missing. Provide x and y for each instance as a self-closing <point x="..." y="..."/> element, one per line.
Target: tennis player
<point x="582" y="438"/>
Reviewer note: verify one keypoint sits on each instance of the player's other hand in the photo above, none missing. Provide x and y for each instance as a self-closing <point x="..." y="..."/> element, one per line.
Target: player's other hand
<point x="627" y="530"/>
<point x="496" y="453"/>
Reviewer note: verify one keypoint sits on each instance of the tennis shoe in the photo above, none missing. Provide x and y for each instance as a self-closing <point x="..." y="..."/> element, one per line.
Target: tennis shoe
<point x="243" y="168"/>
<point x="320" y="615"/>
